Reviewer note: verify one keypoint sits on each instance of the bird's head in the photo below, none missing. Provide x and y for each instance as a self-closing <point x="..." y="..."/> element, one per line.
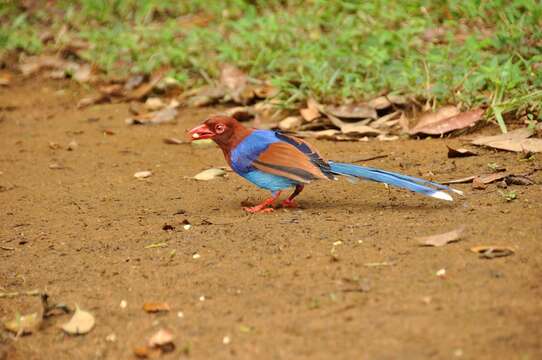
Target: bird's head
<point x="221" y="129"/>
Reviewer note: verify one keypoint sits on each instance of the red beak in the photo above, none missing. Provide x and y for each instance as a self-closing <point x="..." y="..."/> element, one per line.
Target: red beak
<point x="200" y="132"/>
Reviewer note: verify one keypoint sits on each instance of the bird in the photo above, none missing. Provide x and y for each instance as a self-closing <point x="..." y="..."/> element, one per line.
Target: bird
<point x="276" y="161"/>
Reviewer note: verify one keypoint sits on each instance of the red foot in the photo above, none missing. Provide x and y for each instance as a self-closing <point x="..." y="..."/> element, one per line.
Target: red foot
<point x="289" y="204"/>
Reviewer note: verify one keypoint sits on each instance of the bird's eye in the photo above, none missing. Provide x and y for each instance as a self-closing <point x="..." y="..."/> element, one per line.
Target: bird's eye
<point x="219" y="128"/>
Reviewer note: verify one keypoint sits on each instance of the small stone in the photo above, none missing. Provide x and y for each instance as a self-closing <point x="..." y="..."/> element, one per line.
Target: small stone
<point x="441" y="273"/>
<point x="142" y="174"/>
<point x="180" y="314"/>
<point x="226" y="340"/>
<point x="111" y="337"/>
<point x="196" y="256"/>
<point x="123" y="304"/>
<point x="202" y="298"/>
<point x="187" y="227"/>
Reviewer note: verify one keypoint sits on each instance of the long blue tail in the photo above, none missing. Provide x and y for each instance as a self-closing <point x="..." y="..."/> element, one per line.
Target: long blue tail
<point x="418" y="185"/>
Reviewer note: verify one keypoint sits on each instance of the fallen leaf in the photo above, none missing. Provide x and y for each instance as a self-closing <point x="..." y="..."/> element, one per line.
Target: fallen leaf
<point x="174" y="141"/>
<point x="166" y="115"/>
<point x="437" y="124"/>
<point x="517" y="141"/>
<point x="290" y="123"/>
<point x="359" y="130"/>
<point x="311" y="112"/>
<point x="83" y="73"/>
<point x="154" y="103"/>
<point x="156" y="307"/>
<point x="23" y="324"/>
<point x="379" y="103"/>
<point x="387" y="120"/>
<point x="518" y="180"/>
<point x="480" y="181"/>
<point x="442" y="239"/>
<point x="81" y="322"/>
<point x="491" y="251"/>
<point x="209" y="174"/>
<point x="265" y="91"/>
<point x="459" y="152"/>
<point x="352" y="111"/>
<point x="144" y="89"/>
<point x="233" y="78"/>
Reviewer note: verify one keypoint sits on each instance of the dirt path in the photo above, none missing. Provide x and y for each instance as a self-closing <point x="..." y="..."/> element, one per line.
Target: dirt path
<point x="268" y="282"/>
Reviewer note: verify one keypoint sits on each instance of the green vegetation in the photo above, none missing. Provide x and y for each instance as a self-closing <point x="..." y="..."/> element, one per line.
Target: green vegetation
<point x="470" y="52"/>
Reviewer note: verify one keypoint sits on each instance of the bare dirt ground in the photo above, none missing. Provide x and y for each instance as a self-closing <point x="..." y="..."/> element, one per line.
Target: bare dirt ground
<point x="272" y="283"/>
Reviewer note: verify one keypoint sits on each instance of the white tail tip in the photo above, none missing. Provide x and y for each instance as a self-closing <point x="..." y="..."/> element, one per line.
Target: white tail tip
<point x="442" y="196"/>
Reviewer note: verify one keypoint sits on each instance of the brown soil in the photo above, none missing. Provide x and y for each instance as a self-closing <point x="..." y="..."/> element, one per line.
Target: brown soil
<point x="272" y="282"/>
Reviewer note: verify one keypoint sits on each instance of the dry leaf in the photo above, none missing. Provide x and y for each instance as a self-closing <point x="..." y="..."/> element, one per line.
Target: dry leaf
<point x="142" y="174"/>
<point x="81" y="322"/>
<point x="23" y="324"/>
<point x="480" y="181"/>
<point x="491" y="251"/>
<point x="265" y="91"/>
<point x="154" y="103"/>
<point x="352" y="111"/>
<point x="517" y="141"/>
<point x="311" y="112"/>
<point x="442" y="239"/>
<point x="233" y="78"/>
<point x="444" y="112"/>
<point x="459" y="153"/>
<point x="290" y="123"/>
<point x="518" y="180"/>
<point x="437" y="124"/>
<point x="144" y="89"/>
<point x="359" y="130"/>
<point x="379" y="103"/>
<point x="166" y="115"/>
<point x="209" y="174"/>
<point x="156" y="307"/>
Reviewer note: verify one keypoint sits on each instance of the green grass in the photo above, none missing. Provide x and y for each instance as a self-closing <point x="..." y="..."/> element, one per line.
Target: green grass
<point x="489" y="51"/>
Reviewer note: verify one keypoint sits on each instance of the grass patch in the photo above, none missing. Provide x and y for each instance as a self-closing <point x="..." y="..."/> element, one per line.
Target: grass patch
<point x="470" y="52"/>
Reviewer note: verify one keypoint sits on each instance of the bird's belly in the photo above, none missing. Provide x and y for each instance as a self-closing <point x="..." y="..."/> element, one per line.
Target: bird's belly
<point x="269" y="181"/>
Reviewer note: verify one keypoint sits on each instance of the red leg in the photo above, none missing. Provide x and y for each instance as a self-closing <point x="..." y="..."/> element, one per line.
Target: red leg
<point x="290" y="203"/>
<point x="264" y="206"/>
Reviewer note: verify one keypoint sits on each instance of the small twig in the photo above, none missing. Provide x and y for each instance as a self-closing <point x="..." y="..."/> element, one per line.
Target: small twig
<point x="369" y="158"/>
<point x="20" y="293"/>
<point x="7" y="248"/>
